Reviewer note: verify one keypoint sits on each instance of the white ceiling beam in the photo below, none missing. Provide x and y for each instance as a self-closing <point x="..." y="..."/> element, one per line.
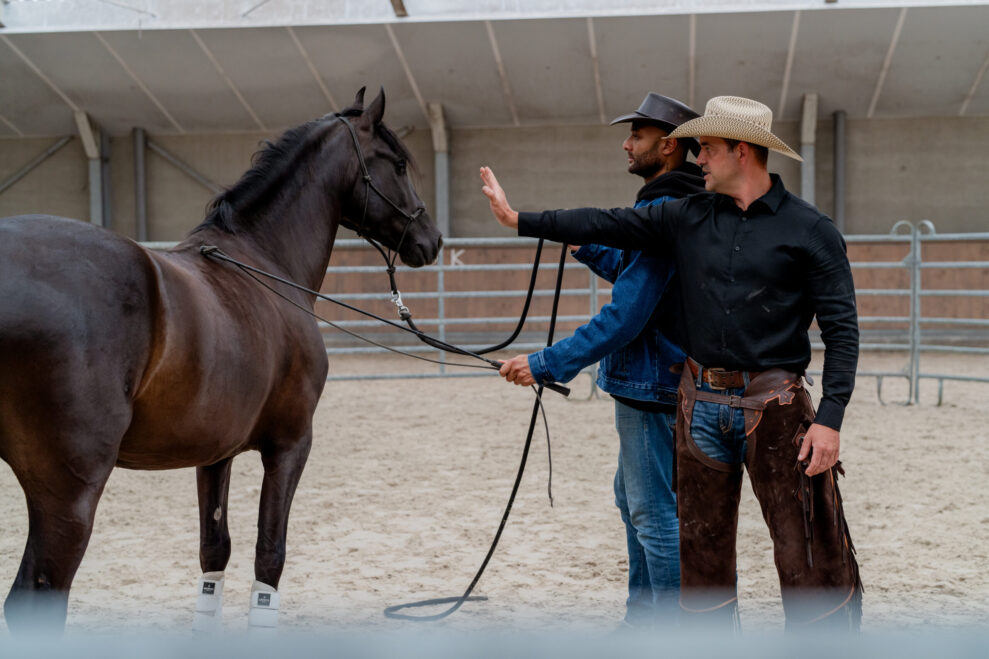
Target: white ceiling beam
<point x="140" y="84"/>
<point x="506" y="87"/>
<point x="886" y="63"/>
<point x="975" y="86"/>
<point x="692" y="62"/>
<point x="312" y="69"/>
<point x="408" y="71"/>
<point x="38" y="72"/>
<point x="86" y="135"/>
<point x="6" y="122"/>
<point x="597" y="69"/>
<point x="226" y="78"/>
<point x="788" y="69"/>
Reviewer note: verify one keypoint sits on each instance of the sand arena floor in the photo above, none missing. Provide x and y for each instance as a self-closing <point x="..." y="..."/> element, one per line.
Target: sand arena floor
<point x="408" y="479"/>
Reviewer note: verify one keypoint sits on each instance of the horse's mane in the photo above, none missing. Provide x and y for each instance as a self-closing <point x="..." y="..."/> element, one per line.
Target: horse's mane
<point x="273" y="165"/>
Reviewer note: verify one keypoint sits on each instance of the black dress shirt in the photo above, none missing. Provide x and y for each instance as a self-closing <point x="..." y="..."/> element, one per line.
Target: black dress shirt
<point x="752" y="280"/>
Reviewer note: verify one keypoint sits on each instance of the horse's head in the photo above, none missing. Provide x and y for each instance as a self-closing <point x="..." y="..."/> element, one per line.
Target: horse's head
<point x="383" y="204"/>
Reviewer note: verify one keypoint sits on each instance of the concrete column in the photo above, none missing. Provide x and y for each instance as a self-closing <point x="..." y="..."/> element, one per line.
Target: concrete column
<point x="441" y="149"/>
<point x="140" y="184"/>
<point x="92" y="145"/>
<point x="839" y="170"/>
<point x="808" y="132"/>
<point x="106" y="181"/>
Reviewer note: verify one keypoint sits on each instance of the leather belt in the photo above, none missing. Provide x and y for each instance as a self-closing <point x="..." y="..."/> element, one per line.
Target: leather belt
<point x="718" y="378"/>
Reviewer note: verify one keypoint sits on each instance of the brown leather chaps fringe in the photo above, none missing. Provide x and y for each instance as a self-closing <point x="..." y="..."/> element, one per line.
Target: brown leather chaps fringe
<point x="815" y="559"/>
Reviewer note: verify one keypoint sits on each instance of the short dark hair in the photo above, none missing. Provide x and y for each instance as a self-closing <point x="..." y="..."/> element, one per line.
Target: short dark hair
<point x="761" y="152"/>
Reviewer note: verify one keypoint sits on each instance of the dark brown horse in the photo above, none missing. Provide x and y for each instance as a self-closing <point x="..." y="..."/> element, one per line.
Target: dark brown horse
<point x="116" y="355"/>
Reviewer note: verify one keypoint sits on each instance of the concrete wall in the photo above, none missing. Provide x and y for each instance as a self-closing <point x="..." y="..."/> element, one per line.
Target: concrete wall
<point x="909" y="169"/>
<point x="176" y="203"/>
<point x="59" y="186"/>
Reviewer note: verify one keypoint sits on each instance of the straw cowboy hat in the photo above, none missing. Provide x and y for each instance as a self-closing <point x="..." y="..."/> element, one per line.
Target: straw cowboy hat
<point x="665" y="112"/>
<point x="736" y="118"/>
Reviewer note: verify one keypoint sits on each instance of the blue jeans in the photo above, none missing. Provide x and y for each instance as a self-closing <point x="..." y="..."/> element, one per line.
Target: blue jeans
<point x="644" y="495"/>
<point x="719" y="430"/>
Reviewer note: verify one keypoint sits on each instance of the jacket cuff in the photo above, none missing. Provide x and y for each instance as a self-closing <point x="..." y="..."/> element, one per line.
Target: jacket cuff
<point x="529" y="224"/>
<point x="584" y="254"/>
<point x="537" y="366"/>
<point x="830" y="414"/>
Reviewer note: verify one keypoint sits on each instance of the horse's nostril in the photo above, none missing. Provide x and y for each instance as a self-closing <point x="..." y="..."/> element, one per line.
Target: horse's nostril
<point x="439" y="243"/>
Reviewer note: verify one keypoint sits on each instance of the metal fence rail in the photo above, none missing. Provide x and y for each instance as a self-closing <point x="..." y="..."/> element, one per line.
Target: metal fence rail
<point x="916" y="235"/>
<point x="476" y="329"/>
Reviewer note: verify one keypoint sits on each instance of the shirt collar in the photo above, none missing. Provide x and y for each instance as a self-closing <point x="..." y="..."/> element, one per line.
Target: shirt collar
<point x="771" y="200"/>
<point x="774" y="197"/>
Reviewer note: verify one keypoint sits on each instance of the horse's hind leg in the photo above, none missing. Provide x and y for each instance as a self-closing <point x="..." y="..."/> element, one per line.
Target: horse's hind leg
<point x="213" y="483"/>
<point x="283" y="466"/>
<point x="61" y="508"/>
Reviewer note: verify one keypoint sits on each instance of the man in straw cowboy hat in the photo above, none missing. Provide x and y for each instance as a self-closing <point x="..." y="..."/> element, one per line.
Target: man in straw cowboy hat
<point x="756" y="264"/>
<point x="635" y="338"/>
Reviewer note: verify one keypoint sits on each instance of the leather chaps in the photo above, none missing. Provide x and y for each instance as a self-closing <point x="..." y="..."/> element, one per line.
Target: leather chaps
<point x="815" y="559"/>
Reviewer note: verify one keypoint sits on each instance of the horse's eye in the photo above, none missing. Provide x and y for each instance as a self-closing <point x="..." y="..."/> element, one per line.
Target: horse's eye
<point x="400" y="167"/>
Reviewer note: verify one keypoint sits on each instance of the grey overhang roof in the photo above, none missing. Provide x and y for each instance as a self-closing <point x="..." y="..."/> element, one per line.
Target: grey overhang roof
<point x="208" y="67"/>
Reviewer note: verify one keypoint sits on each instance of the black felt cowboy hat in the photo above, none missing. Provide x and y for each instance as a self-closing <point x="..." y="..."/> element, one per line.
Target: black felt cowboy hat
<point x="665" y="112"/>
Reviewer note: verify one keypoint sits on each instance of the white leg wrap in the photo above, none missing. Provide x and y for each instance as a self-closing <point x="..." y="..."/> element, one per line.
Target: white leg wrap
<point x="263" y="615"/>
<point x="209" y="603"/>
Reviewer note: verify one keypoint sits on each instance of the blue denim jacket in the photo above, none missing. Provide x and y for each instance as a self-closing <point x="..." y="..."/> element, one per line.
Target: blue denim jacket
<point x="635" y="356"/>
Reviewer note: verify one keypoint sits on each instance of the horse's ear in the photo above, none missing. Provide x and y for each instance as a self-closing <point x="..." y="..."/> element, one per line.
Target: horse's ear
<point x="376" y="110"/>
<point x="359" y="99"/>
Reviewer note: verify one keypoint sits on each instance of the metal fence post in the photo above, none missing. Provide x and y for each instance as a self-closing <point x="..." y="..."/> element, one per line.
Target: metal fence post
<point x="441" y="307"/>
<point x="914" y="396"/>
<point x="915" y="338"/>
<point x="910" y="263"/>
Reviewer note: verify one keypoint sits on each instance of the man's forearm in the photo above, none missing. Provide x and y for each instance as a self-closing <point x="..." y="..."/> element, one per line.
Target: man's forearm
<point x="626" y="228"/>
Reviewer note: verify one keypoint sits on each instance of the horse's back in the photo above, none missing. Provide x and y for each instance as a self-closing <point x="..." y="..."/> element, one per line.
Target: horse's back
<point x="74" y="335"/>
<point x="61" y="276"/>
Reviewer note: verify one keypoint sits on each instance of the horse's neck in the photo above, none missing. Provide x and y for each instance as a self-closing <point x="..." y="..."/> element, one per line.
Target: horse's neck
<point x="300" y="238"/>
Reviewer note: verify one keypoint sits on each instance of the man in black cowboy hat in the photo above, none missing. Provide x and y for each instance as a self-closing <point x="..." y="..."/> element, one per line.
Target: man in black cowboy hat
<point x="635" y="338"/>
<point x="756" y="265"/>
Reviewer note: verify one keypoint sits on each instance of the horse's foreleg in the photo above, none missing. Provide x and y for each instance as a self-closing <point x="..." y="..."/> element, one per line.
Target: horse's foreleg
<point x="213" y="484"/>
<point x="283" y="466"/>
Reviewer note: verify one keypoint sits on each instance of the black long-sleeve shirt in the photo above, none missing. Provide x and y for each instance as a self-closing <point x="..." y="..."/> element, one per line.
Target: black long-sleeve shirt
<point x="751" y="280"/>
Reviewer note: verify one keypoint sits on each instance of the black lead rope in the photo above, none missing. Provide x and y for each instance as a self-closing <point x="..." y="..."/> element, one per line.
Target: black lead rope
<point x="211" y="251"/>
<point x="406" y="315"/>
<point x="457" y="602"/>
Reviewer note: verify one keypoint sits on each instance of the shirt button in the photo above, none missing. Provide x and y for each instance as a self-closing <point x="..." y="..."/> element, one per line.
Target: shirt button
<point x="738" y="248"/>
<point x="727" y="312"/>
<point x="731" y="279"/>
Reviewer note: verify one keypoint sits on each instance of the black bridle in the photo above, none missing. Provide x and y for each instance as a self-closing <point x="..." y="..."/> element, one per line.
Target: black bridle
<point x="396" y="295"/>
<point x="409" y="218"/>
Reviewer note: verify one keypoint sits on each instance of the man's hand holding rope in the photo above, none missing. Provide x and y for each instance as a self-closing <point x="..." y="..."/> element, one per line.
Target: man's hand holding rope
<point x="516" y="370"/>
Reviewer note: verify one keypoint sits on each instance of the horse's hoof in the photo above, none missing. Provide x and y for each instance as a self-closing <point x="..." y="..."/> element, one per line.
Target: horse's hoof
<point x="209" y="604"/>
<point x="263" y="615"/>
